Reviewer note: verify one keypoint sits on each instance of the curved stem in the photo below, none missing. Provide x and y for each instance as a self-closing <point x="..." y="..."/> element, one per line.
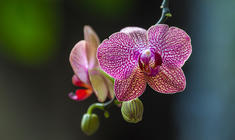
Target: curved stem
<point x="100" y="106"/>
<point x="165" y="12"/>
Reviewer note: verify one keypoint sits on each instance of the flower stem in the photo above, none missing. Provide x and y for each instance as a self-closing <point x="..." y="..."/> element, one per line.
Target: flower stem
<point x="165" y="12"/>
<point x="100" y="106"/>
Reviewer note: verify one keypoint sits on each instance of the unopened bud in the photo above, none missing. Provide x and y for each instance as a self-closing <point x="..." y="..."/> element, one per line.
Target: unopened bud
<point x="90" y="123"/>
<point x="132" y="111"/>
<point x="106" y="114"/>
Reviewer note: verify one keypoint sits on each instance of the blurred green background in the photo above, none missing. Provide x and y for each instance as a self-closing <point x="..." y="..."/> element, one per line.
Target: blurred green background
<point x="37" y="36"/>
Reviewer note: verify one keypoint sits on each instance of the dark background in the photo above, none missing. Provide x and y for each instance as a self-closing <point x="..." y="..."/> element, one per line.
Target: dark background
<point x="36" y="38"/>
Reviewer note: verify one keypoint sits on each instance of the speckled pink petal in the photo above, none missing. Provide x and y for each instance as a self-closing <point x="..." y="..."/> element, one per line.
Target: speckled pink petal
<point x="175" y="46"/>
<point x="139" y="36"/>
<point x="116" y="56"/>
<point x="93" y="42"/>
<point x="130" y="88"/>
<point x="78" y="61"/>
<point x="168" y="80"/>
<point x="156" y="36"/>
<point x="99" y="85"/>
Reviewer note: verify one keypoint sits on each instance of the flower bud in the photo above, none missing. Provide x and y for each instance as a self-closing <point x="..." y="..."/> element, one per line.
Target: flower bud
<point x="90" y="123"/>
<point x="132" y="111"/>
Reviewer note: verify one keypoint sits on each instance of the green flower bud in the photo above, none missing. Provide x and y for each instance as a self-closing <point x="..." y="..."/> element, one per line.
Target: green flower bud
<point x="132" y="111"/>
<point x="106" y="114"/>
<point x="90" y="123"/>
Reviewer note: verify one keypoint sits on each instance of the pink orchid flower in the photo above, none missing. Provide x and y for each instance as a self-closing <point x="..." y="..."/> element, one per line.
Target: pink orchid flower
<point x="87" y="71"/>
<point x="134" y="57"/>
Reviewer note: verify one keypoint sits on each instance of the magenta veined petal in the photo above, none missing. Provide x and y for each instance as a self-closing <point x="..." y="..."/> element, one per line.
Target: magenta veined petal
<point x="173" y="45"/>
<point x="168" y="80"/>
<point x="132" y="87"/>
<point x="177" y="48"/>
<point x="116" y="56"/>
<point x="92" y="43"/>
<point x="156" y="36"/>
<point x="138" y="35"/>
<point x="78" y="61"/>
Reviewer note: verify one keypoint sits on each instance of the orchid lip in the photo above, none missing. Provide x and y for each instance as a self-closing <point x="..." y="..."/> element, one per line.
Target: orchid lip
<point x="149" y="62"/>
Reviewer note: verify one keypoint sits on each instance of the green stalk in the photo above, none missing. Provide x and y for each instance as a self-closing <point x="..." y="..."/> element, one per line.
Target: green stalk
<point x="165" y="12"/>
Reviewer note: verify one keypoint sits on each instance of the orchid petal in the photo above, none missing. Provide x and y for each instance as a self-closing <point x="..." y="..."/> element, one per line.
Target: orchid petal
<point x="138" y="35"/>
<point x="110" y="86"/>
<point x="99" y="85"/>
<point x="156" y="36"/>
<point x="174" y="45"/>
<point x="78" y="61"/>
<point x="117" y="56"/>
<point x="93" y="42"/>
<point x="77" y="82"/>
<point x="177" y="47"/>
<point x="168" y="80"/>
<point x="80" y="94"/>
<point x="132" y="87"/>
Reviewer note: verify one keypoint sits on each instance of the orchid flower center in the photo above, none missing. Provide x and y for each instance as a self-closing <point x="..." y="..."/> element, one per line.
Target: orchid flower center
<point x="149" y="62"/>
